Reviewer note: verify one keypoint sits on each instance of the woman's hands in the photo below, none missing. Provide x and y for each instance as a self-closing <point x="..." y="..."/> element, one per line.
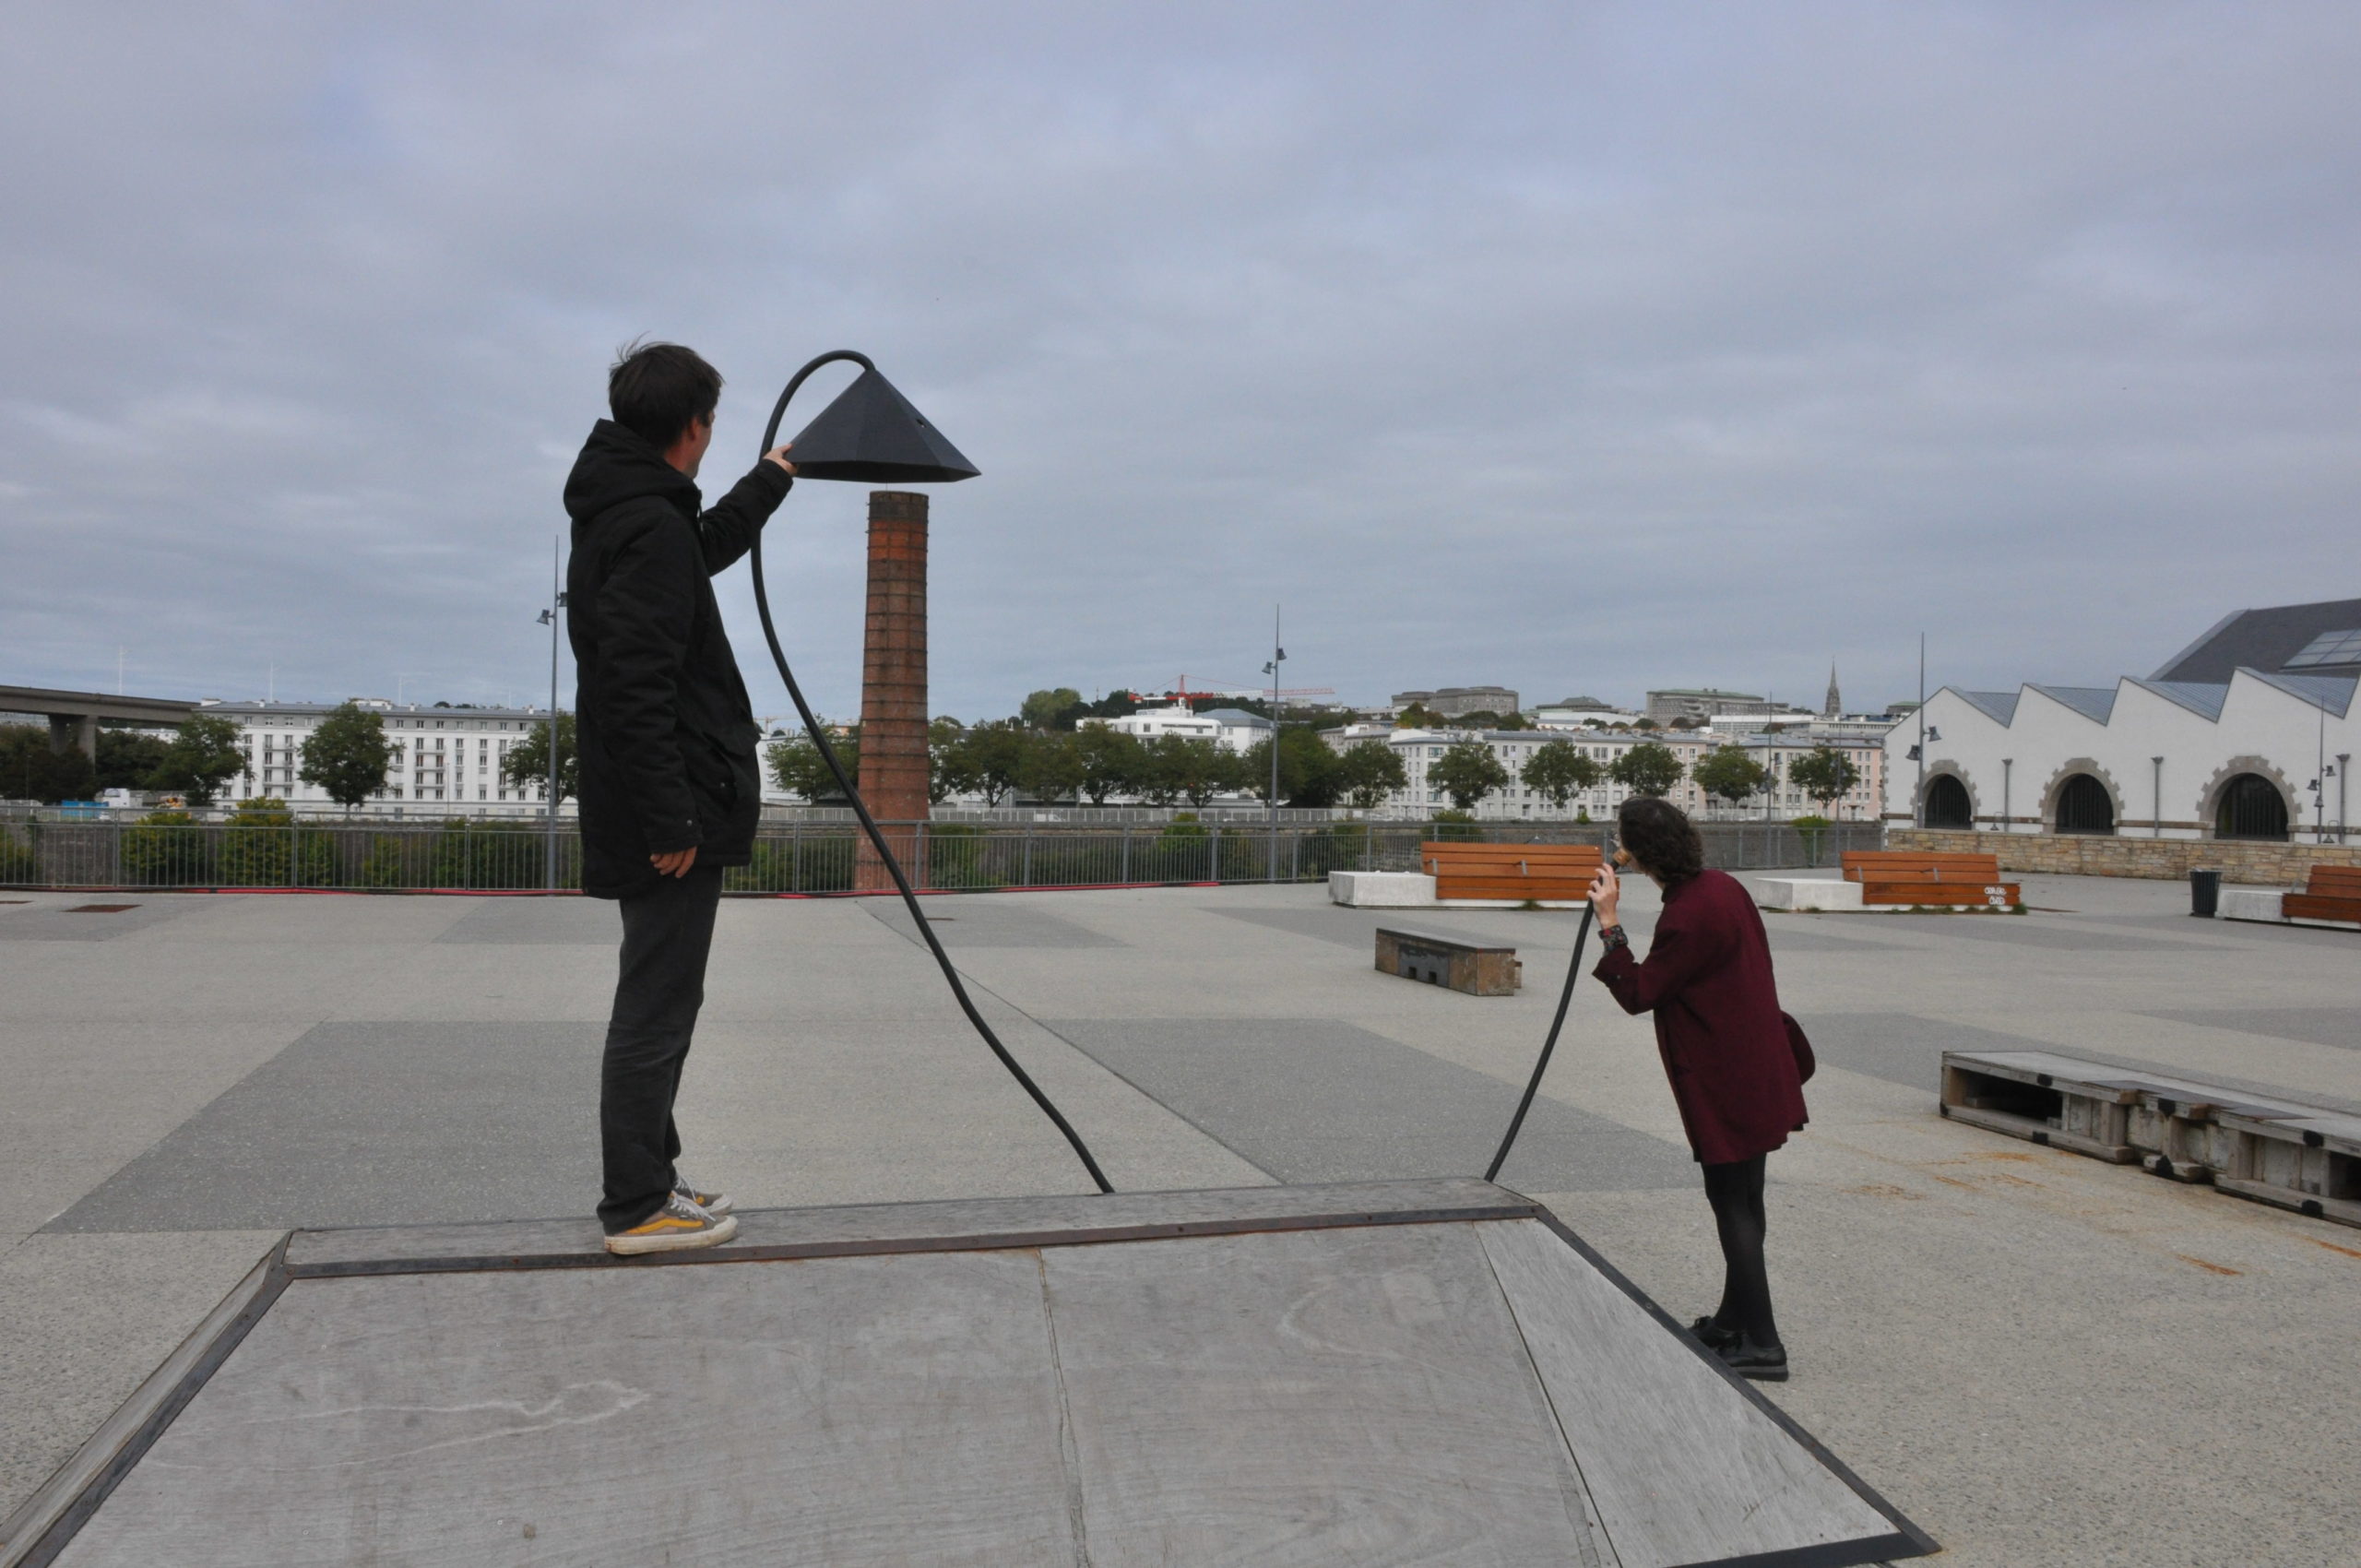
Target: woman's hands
<point x="1606" y="891"/>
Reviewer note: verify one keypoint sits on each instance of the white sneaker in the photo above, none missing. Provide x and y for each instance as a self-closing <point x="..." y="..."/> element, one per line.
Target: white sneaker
<point x="678" y="1226"/>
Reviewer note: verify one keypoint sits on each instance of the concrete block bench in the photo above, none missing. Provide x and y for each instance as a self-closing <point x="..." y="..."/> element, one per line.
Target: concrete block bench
<point x="2251" y="904"/>
<point x="1478" y="969"/>
<point x="1382" y="889"/>
<point x="1808" y="893"/>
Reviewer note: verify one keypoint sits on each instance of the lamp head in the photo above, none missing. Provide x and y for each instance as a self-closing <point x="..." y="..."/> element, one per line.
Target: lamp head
<point x="872" y="434"/>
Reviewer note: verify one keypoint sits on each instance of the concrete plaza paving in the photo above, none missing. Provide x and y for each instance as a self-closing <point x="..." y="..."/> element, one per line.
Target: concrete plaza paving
<point x="2041" y="1359"/>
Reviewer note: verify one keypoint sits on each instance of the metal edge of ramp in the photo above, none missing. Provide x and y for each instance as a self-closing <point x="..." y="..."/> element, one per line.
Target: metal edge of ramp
<point x="46" y="1525"/>
<point x="35" y="1532"/>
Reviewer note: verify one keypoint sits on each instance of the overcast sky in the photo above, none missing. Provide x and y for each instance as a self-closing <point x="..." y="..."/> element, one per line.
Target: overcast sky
<point x="1579" y="349"/>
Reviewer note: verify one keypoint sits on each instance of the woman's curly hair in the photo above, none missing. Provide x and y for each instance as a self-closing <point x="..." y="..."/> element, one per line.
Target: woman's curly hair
<point x="1661" y="838"/>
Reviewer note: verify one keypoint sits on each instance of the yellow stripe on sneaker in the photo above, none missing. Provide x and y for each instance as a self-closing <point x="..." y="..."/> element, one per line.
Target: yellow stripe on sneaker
<point x="663" y="1222"/>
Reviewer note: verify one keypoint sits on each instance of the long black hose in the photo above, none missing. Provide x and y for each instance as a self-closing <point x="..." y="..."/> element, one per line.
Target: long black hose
<point x="869" y="824"/>
<point x="1565" y="999"/>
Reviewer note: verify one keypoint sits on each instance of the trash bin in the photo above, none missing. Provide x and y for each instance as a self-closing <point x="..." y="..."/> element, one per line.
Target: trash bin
<point x="2204" y="893"/>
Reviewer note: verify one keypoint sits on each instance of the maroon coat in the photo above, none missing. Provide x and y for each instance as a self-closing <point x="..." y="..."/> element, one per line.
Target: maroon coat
<point x="1736" y="1074"/>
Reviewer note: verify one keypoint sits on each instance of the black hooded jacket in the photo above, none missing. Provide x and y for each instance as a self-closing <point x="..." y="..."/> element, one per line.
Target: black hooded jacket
<point x="666" y="734"/>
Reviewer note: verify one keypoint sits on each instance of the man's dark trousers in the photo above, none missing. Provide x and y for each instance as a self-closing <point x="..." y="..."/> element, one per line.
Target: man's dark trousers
<point x="668" y="930"/>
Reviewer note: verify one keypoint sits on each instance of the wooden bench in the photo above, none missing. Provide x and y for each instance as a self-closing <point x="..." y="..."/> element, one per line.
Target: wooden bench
<point x="1478" y="969"/>
<point x="1512" y="874"/>
<point x="1903" y="876"/>
<point x="2332" y="893"/>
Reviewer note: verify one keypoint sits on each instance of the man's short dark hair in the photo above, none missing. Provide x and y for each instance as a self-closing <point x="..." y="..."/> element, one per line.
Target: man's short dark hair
<point x="657" y="390"/>
<point x="1661" y="838"/>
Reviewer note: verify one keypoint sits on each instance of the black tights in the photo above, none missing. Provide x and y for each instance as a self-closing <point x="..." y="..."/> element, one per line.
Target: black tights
<point x="1736" y="1192"/>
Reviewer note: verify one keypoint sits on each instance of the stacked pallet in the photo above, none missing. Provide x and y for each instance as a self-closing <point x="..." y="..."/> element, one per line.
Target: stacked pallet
<point x="2277" y="1151"/>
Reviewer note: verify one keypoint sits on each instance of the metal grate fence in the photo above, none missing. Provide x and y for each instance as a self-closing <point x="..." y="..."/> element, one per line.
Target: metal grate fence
<point x="804" y="858"/>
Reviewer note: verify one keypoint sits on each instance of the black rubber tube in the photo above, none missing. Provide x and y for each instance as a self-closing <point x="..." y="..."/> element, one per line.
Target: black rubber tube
<point x="1565" y="1000"/>
<point x="869" y="823"/>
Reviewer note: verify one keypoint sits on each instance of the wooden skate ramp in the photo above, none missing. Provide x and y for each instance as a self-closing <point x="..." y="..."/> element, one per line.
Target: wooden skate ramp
<point x="1385" y="1373"/>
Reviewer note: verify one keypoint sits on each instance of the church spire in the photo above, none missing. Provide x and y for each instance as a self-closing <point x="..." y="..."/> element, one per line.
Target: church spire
<point x="1834" y="706"/>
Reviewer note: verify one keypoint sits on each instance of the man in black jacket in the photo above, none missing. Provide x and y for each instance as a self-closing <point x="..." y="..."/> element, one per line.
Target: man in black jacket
<point x="670" y="788"/>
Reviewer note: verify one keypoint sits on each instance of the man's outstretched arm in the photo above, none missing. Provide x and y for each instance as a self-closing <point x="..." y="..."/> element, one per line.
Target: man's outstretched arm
<point x="727" y="527"/>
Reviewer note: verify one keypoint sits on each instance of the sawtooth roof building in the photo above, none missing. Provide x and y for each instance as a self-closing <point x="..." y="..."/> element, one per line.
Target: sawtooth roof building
<point x="2249" y="732"/>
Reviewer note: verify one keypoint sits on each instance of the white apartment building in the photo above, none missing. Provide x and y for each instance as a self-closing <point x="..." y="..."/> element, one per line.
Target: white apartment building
<point x="445" y="759"/>
<point x="1229" y="727"/>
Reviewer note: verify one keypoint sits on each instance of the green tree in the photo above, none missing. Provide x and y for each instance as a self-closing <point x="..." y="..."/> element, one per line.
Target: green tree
<point x="1559" y="770"/>
<point x="1054" y="709"/>
<point x="128" y="757"/>
<point x="1648" y="768"/>
<point x="348" y="754"/>
<point x="1467" y="772"/>
<point x="798" y="768"/>
<point x="526" y="764"/>
<point x="1112" y="762"/>
<point x="203" y="756"/>
<point x="30" y="770"/>
<point x="1307" y="769"/>
<point x="1370" y="771"/>
<point x="946" y="771"/>
<point x="1727" y="773"/>
<point x="1418" y="715"/>
<point x="1181" y="768"/>
<point x="988" y="757"/>
<point x="1823" y="774"/>
<point x="1053" y="768"/>
<point x="20" y="858"/>
<point x="259" y="838"/>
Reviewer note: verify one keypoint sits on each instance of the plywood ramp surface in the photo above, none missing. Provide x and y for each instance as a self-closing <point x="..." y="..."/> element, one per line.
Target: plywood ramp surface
<point x="1307" y="1376"/>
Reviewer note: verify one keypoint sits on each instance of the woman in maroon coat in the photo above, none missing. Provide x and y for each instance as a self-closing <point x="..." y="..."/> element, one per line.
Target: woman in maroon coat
<point x="1736" y="1062"/>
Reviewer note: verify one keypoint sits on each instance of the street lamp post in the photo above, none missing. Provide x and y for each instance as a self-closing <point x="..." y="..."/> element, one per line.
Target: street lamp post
<point x="1278" y="657"/>
<point x="550" y="618"/>
<point x="1919" y="805"/>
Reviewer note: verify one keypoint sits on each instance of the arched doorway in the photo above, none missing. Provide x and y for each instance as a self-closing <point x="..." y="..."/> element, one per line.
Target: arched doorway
<point x="2083" y="806"/>
<point x="2250" y="806"/>
<point x="1947" y="803"/>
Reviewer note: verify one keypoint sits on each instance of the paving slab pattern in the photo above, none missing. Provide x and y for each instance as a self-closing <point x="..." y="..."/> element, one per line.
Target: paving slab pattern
<point x="1979" y="1323"/>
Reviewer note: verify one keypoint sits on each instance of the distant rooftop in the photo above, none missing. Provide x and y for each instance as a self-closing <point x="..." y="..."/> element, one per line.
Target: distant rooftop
<point x="2311" y="639"/>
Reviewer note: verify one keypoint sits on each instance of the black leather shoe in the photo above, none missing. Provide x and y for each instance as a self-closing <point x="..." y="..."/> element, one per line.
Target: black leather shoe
<point x="1711" y="1334"/>
<point x="1765" y="1364"/>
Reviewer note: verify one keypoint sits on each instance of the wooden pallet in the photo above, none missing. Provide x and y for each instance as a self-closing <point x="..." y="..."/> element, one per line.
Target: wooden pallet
<point x="2278" y="1151"/>
<point x="2311" y="1164"/>
<point x="2044" y="1098"/>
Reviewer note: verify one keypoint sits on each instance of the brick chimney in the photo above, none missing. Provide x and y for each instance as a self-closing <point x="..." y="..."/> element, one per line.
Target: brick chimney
<point x="893" y="683"/>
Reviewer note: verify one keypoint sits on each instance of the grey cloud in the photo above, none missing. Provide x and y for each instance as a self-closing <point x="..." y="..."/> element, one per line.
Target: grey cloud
<point x="1573" y="348"/>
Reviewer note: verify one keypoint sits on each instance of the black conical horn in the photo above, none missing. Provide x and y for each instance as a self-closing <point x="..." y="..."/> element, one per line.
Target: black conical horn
<point x="872" y="434"/>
